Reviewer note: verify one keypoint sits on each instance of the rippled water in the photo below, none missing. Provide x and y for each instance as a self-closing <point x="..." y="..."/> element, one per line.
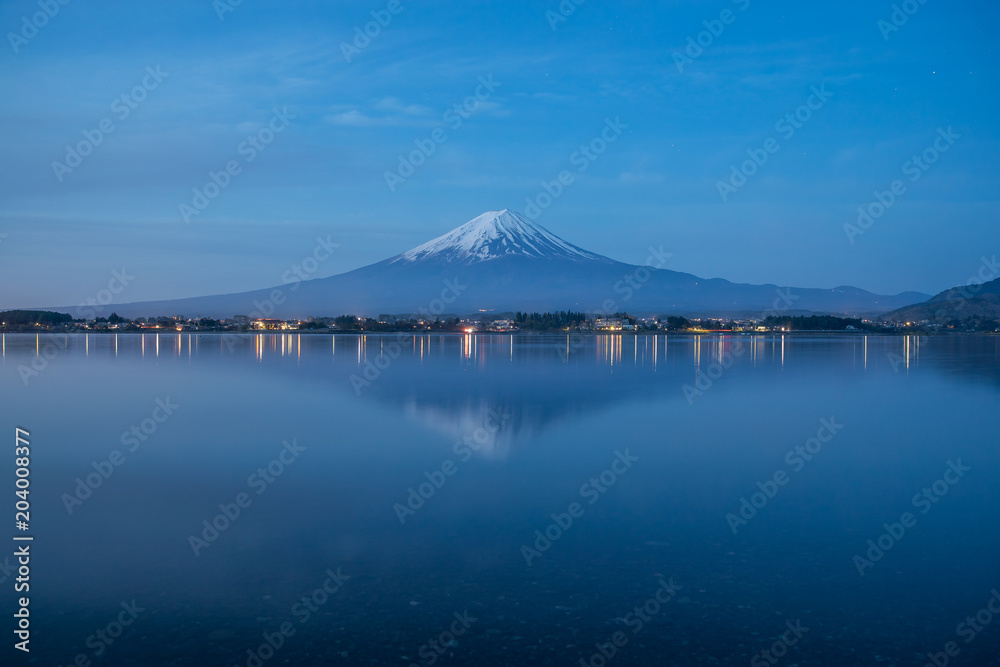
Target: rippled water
<point x="480" y="500"/>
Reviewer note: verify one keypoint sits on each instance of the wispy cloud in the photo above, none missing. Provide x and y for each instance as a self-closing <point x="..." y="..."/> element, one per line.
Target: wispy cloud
<point x="393" y="105"/>
<point x="393" y="112"/>
<point x="384" y="112"/>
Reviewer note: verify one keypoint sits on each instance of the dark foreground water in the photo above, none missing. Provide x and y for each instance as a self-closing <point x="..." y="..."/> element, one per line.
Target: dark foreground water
<point x="482" y="500"/>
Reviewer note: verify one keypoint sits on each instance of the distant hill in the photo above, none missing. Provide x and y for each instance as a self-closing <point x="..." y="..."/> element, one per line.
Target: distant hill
<point x="976" y="302"/>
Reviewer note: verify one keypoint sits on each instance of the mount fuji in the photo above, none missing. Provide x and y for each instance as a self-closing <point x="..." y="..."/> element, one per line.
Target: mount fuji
<point x="495" y="235"/>
<point x="501" y="261"/>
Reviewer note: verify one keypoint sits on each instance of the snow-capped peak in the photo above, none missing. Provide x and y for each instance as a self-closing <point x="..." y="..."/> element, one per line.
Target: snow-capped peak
<point x="496" y="234"/>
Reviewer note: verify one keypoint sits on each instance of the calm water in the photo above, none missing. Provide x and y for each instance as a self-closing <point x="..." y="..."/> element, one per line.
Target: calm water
<point x="644" y="448"/>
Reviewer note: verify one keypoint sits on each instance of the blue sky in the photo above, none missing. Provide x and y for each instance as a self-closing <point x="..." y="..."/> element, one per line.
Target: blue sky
<point x="323" y="174"/>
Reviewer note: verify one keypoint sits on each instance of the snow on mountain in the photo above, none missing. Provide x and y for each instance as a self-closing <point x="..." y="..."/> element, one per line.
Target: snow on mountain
<point x="493" y="235"/>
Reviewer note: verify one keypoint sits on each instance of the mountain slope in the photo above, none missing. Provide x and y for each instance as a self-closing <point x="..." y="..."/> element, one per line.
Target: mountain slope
<point x="958" y="303"/>
<point x="500" y="261"/>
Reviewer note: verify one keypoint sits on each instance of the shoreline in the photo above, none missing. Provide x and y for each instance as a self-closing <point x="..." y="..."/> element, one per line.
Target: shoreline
<point x="329" y="332"/>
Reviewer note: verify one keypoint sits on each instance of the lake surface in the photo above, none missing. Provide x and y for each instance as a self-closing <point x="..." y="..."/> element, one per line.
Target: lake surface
<point x="697" y="500"/>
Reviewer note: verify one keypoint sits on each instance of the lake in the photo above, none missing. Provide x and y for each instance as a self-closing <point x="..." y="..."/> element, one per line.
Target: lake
<point x="498" y="500"/>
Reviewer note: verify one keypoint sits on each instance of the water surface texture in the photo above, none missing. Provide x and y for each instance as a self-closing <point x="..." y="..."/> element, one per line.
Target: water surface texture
<point x="497" y="500"/>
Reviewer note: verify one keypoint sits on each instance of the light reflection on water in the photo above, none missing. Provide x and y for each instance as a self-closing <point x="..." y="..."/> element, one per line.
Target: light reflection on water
<point x="709" y="418"/>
